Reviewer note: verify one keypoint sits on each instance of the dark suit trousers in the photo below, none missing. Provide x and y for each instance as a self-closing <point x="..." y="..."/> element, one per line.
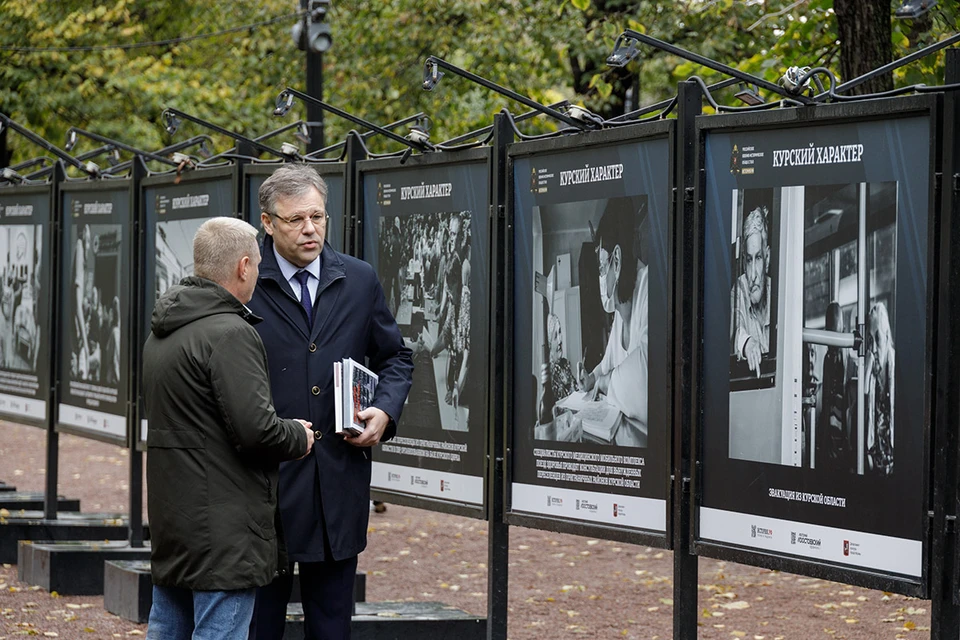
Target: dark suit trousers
<point x="326" y="589"/>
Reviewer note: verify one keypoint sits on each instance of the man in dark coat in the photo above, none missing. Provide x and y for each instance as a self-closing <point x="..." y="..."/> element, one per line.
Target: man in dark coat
<point x="214" y="444"/>
<point x="320" y="306"/>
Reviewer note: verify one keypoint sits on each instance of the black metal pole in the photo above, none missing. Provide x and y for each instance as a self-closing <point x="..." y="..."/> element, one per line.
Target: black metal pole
<point x="684" y="562"/>
<point x="135" y="482"/>
<point x="365" y="135"/>
<point x="498" y="538"/>
<point x="896" y="64"/>
<point x="53" y="438"/>
<point x="352" y="219"/>
<point x="432" y="76"/>
<point x="945" y="613"/>
<point x="710" y="64"/>
<point x="315" y="89"/>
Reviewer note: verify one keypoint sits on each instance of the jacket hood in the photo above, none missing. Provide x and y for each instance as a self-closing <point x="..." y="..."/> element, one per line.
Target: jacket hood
<point x="194" y="298"/>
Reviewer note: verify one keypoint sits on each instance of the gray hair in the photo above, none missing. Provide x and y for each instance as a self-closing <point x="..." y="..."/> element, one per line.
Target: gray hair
<point x="290" y="181"/>
<point x="219" y="245"/>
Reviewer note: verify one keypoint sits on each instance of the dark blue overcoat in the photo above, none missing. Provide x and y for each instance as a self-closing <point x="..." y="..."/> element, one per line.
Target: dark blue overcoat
<point x="330" y="488"/>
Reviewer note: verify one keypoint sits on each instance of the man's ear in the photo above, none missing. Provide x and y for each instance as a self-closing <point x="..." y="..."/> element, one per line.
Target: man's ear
<point x="616" y="260"/>
<point x="243" y="269"/>
<point x="266" y="222"/>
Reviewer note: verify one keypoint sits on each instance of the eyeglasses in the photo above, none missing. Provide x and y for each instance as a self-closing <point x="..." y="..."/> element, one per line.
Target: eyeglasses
<point x="319" y="220"/>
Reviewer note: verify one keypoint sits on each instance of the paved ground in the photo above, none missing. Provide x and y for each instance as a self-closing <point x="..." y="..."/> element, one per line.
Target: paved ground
<point x="559" y="585"/>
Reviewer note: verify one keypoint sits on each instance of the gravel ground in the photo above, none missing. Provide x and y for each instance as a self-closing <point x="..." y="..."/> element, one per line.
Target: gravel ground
<point x="559" y="585"/>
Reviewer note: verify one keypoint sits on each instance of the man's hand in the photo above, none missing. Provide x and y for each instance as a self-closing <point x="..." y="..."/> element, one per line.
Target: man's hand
<point x="751" y="350"/>
<point x="376" y="423"/>
<point x="308" y="427"/>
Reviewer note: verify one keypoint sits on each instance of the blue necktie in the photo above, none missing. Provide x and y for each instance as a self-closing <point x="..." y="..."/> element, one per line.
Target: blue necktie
<point x="302" y="277"/>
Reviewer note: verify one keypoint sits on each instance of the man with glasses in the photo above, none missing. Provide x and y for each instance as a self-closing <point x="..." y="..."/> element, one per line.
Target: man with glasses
<point x="320" y="306"/>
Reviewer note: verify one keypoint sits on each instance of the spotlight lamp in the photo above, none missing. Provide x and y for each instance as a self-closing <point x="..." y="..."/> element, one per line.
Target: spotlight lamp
<point x="624" y="50"/>
<point x="420" y="131"/>
<point x="284" y="103"/>
<point x="10" y="175"/>
<point x="749" y="95"/>
<point x="431" y="74"/>
<point x="71" y="139"/>
<point x="303" y="133"/>
<point x="113" y="158"/>
<point x="912" y="9"/>
<point x="290" y="149"/>
<point x="170" y="122"/>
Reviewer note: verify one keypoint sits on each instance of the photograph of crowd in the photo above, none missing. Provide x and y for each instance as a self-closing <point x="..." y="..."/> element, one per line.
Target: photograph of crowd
<point x="425" y="270"/>
<point x="590" y="321"/>
<point x="20" y="291"/>
<point x="831" y="406"/>
<point x="95" y="301"/>
<point x="174" y="252"/>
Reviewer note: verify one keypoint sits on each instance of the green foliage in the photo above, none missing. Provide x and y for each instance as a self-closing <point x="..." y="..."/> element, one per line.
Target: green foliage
<point x="546" y="49"/>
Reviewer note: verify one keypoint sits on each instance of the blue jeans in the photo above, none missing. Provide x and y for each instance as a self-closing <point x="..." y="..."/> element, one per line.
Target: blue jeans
<point x="182" y="614"/>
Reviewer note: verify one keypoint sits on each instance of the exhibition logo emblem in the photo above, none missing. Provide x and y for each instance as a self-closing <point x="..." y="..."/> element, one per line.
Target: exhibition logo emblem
<point x="417" y="480"/>
<point x="619" y="510"/>
<point x="735" y="160"/>
<point x="846" y="547"/>
<point x="851" y="548"/>
<point x="793" y="537"/>
<point x="393" y="477"/>
<point x="553" y="501"/>
<point x="445" y="486"/>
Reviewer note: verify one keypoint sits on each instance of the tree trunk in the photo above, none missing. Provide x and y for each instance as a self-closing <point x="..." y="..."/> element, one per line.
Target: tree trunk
<point x="865" y="42"/>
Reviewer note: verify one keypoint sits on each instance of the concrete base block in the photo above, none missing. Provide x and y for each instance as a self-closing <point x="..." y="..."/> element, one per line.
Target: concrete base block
<point x="401" y="621"/>
<point x="67" y="526"/>
<point x="22" y="501"/>
<point x="128" y="589"/>
<point x="72" y="568"/>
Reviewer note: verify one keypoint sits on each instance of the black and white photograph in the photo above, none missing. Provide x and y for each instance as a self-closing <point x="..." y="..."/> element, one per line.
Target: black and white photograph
<point x="174" y="252"/>
<point x="425" y="270"/>
<point x="590" y="321"/>
<point x="20" y="294"/>
<point x="753" y="337"/>
<point x="829" y="339"/>
<point x="94" y="286"/>
<point x="849" y="288"/>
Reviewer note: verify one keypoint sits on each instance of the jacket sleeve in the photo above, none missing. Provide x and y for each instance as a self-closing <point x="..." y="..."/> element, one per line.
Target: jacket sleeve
<point x="389" y="358"/>
<point x="241" y="387"/>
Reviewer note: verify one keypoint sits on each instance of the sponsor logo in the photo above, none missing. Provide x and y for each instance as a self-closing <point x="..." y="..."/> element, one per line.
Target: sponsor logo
<point x="851" y="548"/>
<point x="586" y="506"/>
<point x="393" y="477"/>
<point x="553" y="501"/>
<point x="445" y="485"/>
<point x="804" y="539"/>
<point x="417" y="480"/>
<point x="761" y="532"/>
<point x="619" y="510"/>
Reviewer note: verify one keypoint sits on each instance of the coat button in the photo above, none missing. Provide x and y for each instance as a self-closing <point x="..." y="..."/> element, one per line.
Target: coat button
<point x="317" y="435"/>
<point x="315" y="391"/>
<point x="312" y="347"/>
